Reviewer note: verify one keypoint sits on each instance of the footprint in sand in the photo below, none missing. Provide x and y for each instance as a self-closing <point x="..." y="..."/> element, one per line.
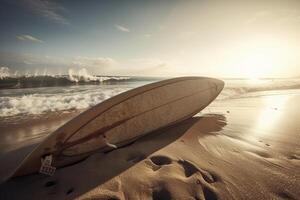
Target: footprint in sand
<point x="161" y="160"/>
<point x="69" y="191"/>
<point x="161" y="193"/>
<point x="209" y="177"/>
<point x="156" y="162"/>
<point x="197" y="187"/>
<point x="190" y="169"/>
<point x="209" y="193"/>
<point x="50" y="183"/>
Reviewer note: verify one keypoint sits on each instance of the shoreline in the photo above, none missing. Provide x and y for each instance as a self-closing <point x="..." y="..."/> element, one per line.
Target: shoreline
<point x="18" y="129"/>
<point x="245" y="148"/>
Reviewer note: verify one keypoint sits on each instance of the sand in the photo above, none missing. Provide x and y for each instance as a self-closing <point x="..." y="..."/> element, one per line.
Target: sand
<point x="246" y="148"/>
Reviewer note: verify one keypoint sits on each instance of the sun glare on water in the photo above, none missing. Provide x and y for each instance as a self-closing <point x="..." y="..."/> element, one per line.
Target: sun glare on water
<point x="257" y="81"/>
<point x="271" y="112"/>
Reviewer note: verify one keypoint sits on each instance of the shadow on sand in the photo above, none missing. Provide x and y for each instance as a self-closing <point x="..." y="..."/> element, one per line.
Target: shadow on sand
<point x="76" y="180"/>
<point x="9" y="160"/>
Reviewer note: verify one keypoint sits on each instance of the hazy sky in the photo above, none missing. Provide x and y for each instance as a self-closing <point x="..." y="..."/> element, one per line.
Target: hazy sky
<point x="166" y="38"/>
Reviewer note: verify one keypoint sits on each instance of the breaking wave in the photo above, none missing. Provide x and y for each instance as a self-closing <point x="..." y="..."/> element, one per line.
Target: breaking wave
<point x="74" y="77"/>
<point x="246" y="88"/>
<point x="54" y="81"/>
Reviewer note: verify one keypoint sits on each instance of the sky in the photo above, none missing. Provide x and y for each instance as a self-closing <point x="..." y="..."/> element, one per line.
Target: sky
<point x="237" y="39"/>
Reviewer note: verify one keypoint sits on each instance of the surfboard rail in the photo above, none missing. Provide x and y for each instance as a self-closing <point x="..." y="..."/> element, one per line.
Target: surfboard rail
<point x="124" y="117"/>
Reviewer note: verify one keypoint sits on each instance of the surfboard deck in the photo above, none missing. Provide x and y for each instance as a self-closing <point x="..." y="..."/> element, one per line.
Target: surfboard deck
<point x="122" y="119"/>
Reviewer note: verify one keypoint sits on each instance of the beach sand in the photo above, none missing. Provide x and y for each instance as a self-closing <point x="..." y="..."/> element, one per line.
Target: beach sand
<point x="244" y="148"/>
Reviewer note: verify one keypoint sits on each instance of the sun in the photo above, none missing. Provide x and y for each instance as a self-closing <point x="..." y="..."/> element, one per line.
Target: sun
<point x="260" y="58"/>
<point x="258" y="63"/>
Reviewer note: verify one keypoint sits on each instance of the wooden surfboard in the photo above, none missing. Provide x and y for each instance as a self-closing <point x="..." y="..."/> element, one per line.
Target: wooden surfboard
<point x="122" y="119"/>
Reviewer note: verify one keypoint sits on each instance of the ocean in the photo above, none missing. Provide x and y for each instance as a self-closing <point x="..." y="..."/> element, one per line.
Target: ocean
<point x="37" y="95"/>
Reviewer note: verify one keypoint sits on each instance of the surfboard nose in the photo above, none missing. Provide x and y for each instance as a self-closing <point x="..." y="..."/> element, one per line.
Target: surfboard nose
<point x="219" y="85"/>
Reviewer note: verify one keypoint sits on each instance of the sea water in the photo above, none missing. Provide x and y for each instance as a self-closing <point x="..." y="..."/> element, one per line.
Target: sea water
<point x="37" y="96"/>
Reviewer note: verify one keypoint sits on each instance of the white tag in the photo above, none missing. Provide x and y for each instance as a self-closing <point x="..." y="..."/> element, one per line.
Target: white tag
<point x="47" y="160"/>
<point x="48" y="170"/>
<point x="46" y="167"/>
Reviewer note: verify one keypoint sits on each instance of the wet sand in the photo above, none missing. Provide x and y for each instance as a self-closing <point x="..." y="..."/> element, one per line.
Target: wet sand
<point x="21" y="134"/>
<point x="245" y="148"/>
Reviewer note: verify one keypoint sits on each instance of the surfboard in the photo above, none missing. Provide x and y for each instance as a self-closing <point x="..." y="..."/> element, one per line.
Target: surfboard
<point x="122" y="119"/>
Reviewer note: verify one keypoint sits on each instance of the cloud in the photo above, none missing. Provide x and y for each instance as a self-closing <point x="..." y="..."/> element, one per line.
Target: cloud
<point x="149" y="62"/>
<point x="47" y="9"/>
<point x="122" y="28"/>
<point x="150" y="66"/>
<point x="94" y="61"/>
<point x="96" y="65"/>
<point x="10" y="58"/>
<point x="28" y="38"/>
<point x="23" y="61"/>
<point x="28" y="62"/>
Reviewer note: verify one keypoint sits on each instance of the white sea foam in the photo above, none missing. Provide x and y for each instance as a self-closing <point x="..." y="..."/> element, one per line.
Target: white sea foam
<point x="246" y="88"/>
<point x="4" y="72"/>
<point x="43" y="103"/>
<point x="83" y="75"/>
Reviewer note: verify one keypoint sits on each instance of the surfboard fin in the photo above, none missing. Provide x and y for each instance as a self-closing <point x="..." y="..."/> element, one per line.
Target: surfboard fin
<point x="46" y="167"/>
<point x="109" y="144"/>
